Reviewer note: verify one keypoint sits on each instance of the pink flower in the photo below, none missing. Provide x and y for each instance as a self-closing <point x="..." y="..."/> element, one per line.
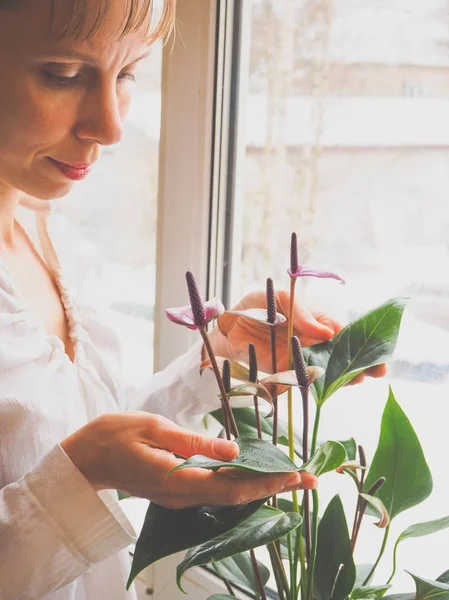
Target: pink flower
<point x="297" y="270"/>
<point x="184" y="314"/>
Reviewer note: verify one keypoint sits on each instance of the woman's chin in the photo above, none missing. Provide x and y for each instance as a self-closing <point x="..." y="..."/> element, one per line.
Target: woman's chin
<point x="46" y="192"/>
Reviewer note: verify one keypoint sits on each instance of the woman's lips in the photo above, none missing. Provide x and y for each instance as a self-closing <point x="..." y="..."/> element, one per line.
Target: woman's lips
<point x="74" y="170"/>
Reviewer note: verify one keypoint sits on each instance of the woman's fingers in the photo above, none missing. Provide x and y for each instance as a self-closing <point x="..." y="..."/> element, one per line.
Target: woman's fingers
<point x="166" y="434"/>
<point x="305" y="323"/>
<point x="215" y="489"/>
<point x="195" y="487"/>
<point x="376" y="371"/>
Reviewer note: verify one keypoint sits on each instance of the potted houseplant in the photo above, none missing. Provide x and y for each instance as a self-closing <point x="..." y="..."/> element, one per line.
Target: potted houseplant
<point x="311" y="548"/>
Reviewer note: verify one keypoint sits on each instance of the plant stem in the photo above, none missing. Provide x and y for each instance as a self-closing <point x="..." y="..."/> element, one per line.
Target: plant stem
<point x="302" y="561"/>
<point x="382" y="550"/>
<point x="228" y="587"/>
<point x="274" y="368"/>
<point x="314" y="533"/>
<point x="362" y="504"/>
<point x="305" y="455"/>
<point x="291" y="438"/>
<point x="394" y="562"/>
<point x="258" y="575"/>
<point x="226" y="406"/>
<point x="291" y="435"/>
<point x="358" y="513"/>
<point x="311" y="566"/>
<point x="256" y="410"/>
<point x="307" y="532"/>
<point x="281" y="570"/>
<point x="279" y="573"/>
<point x="298" y="556"/>
<point x="315" y="430"/>
<point x="290" y="560"/>
<point x="278" y="580"/>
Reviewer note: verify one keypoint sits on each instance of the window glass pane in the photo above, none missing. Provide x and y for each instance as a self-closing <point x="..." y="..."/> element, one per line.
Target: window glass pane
<point x="347" y="137"/>
<point x="110" y="219"/>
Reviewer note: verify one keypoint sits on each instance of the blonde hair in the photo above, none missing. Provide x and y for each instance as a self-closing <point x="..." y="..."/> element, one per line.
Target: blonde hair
<point x="138" y="13"/>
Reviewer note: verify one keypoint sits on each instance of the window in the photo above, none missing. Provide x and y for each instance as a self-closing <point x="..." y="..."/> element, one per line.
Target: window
<point x="346" y="141"/>
<point x="341" y="135"/>
<point x="111" y="221"/>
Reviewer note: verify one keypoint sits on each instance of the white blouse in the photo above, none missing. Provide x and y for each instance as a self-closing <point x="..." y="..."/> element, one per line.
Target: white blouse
<point x="59" y="538"/>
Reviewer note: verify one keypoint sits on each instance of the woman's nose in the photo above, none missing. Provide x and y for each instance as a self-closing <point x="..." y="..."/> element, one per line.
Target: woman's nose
<point x="100" y="117"/>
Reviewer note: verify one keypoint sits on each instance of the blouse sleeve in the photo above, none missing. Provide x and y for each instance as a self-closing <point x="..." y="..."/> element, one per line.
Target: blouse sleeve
<point x="53" y="527"/>
<point x="178" y="392"/>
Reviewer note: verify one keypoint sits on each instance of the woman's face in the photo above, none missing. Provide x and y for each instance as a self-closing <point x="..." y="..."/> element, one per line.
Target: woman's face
<point x="61" y="100"/>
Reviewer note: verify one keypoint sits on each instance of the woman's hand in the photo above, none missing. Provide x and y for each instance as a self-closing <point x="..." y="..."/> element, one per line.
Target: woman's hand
<point x="132" y="452"/>
<point x="311" y="328"/>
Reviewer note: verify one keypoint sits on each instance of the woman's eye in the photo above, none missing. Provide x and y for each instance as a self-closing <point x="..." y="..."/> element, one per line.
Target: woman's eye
<point x="127" y="77"/>
<point x="61" y="80"/>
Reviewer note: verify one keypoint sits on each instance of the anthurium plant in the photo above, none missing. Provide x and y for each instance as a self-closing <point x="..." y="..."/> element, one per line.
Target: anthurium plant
<point x="311" y="548"/>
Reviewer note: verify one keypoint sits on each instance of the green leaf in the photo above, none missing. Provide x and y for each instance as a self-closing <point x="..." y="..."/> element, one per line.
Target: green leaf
<point x="400" y="459"/>
<point x="369" y="592"/>
<point x="221" y="597"/>
<point x="425" y="528"/>
<point x="427" y="588"/>
<point x="255" y="455"/>
<point x="351" y="454"/>
<point x="420" y="530"/>
<point x="265" y="526"/>
<point x="246" y="423"/>
<point x="335" y="569"/>
<point x="327" y="458"/>
<point x="239" y="371"/>
<point x="122" y="495"/>
<point x="239" y="569"/>
<point x="251" y="389"/>
<point x="379" y="507"/>
<point x="400" y="597"/>
<point x="361" y="573"/>
<point x="287" y="506"/>
<point x="444" y="577"/>
<point x="369" y="340"/>
<point x="286" y="379"/>
<point x="166" y="531"/>
<point x="350" y="447"/>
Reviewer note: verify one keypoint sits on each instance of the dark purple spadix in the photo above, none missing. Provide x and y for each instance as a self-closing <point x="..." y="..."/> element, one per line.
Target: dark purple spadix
<point x="252" y="363"/>
<point x="271" y="302"/>
<point x="376" y="486"/>
<point x="299" y="363"/>
<point x="196" y="303"/>
<point x="226" y="375"/>
<point x="294" y="262"/>
<point x="362" y="456"/>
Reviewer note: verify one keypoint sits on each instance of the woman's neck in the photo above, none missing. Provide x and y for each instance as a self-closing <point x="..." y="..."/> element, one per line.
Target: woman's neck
<point x="9" y="200"/>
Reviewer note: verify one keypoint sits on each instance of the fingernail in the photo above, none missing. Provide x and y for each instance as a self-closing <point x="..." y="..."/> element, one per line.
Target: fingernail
<point x="307" y="483"/>
<point x="292" y="482"/>
<point x="224" y="447"/>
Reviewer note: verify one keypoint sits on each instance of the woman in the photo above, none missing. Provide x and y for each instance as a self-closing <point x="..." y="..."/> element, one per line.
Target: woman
<point x="66" y="71"/>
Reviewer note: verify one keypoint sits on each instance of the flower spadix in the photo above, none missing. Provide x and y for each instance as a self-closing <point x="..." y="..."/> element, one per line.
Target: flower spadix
<point x="301" y="376"/>
<point x="297" y="270"/>
<point x="197" y="313"/>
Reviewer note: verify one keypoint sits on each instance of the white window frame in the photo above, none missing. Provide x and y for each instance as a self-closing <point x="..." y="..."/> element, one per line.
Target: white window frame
<point x="190" y="222"/>
<point x="184" y="170"/>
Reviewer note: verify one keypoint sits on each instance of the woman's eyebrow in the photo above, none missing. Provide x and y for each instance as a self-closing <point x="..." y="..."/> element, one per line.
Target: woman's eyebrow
<point x="86" y="58"/>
